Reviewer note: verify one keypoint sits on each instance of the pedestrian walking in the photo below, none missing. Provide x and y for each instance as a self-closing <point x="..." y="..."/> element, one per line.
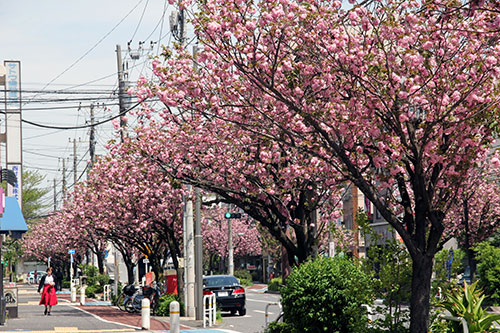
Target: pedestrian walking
<point x="59" y="277"/>
<point x="48" y="291"/>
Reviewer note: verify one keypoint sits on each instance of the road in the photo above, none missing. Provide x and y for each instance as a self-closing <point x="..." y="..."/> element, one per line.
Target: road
<point x="254" y="320"/>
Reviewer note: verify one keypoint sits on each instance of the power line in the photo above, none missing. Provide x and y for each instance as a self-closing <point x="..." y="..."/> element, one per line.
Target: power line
<point x="81" y="126"/>
<point x="140" y="20"/>
<point x="92" y="48"/>
<point x="76" y="92"/>
<point x="39" y="154"/>
<point x="65" y="107"/>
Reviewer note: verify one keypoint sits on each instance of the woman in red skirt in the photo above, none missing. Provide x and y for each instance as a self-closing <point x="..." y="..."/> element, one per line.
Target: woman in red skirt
<point x="48" y="290"/>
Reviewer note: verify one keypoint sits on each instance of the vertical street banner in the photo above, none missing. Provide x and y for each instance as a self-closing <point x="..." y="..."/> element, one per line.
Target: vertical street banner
<point x="13" y="128"/>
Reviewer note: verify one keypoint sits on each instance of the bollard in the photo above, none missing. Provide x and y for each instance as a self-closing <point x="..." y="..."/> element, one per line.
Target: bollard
<point x="175" y="323"/>
<point x="267" y="311"/>
<point x="82" y="295"/>
<point x="73" y="294"/>
<point x="146" y="313"/>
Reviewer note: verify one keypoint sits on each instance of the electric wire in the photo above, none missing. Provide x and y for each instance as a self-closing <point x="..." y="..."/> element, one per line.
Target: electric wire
<point x="91" y="49"/>
<point x="81" y="126"/>
<point x="140" y="20"/>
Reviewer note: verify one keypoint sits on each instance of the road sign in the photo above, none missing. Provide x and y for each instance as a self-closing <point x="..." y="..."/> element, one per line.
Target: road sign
<point x="146" y="261"/>
<point x="71" y="251"/>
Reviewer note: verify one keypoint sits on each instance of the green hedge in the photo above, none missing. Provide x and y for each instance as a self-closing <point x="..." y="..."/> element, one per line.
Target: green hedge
<point x="274" y="284"/>
<point x="275" y="327"/>
<point x="244" y="276"/>
<point x="164" y="305"/>
<point x="326" y="295"/>
<point x="488" y="269"/>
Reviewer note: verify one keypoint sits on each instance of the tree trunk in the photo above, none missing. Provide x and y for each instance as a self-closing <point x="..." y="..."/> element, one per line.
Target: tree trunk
<point x="154" y="261"/>
<point x="130" y="274"/>
<point x="472" y="262"/>
<point x="420" y="296"/>
<point x="129" y="263"/>
<point x="100" y="262"/>
<point x="468" y="247"/>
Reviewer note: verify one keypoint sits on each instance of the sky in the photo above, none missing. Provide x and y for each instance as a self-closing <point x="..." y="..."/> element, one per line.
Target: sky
<point x="70" y="46"/>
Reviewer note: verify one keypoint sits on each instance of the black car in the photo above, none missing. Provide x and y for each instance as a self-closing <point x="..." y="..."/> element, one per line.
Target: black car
<point x="229" y="294"/>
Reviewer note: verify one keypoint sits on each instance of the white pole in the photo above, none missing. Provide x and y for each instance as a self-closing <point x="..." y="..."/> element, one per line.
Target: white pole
<point x="230" y="258"/>
<point x="174" y="317"/>
<point x="72" y="284"/>
<point x="145" y="313"/>
<point x="82" y="295"/>
<point x="73" y="294"/>
<point x="190" y="305"/>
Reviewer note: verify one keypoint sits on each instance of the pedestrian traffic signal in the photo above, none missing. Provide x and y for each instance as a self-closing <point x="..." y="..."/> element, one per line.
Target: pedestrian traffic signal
<point x="229" y="215"/>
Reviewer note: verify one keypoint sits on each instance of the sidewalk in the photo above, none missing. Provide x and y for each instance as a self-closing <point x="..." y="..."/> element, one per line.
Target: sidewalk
<point x="95" y="317"/>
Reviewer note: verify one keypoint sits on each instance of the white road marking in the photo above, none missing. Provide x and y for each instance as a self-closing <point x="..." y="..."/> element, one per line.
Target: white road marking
<point x="261" y="301"/>
<point x="264" y="312"/>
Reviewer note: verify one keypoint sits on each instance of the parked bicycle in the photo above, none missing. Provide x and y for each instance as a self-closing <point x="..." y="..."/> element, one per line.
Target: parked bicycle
<point x="128" y="293"/>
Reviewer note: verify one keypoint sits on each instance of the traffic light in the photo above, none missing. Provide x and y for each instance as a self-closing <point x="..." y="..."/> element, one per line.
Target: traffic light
<point x="229" y="215"/>
<point x="9" y="176"/>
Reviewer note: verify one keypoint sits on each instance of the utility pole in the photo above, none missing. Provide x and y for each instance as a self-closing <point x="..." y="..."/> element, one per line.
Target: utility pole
<point x="64" y="179"/>
<point x="198" y="259"/>
<point x="121" y="91"/>
<point x="92" y="137"/>
<point x="198" y="244"/>
<point x="121" y="102"/>
<point x="55" y="196"/>
<point x="190" y="272"/>
<point x="177" y="27"/>
<point x="74" y="163"/>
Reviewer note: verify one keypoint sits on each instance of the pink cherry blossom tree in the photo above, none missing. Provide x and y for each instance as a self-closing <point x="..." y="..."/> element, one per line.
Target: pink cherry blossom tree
<point x="52" y="237"/>
<point x="399" y="97"/>
<point x="270" y="182"/>
<point x="246" y="240"/>
<point x="135" y="204"/>
<point x="476" y="213"/>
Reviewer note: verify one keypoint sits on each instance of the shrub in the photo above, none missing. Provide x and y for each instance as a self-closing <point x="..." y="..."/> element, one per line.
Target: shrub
<point x="275" y="327"/>
<point x="255" y="276"/>
<point x="466" y="303"/>
<point x="164" y="305"/>
<point x="274" y="284"/>
<point x="244" y="276"/>
<point x="488" y="269"/>
<point x="102" y="279"/>
<point x="325" y="295"/>
<point x="91" y="291"/>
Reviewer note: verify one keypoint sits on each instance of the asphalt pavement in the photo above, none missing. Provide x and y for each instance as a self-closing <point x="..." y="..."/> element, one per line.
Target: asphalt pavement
<point x="94" y="317"/>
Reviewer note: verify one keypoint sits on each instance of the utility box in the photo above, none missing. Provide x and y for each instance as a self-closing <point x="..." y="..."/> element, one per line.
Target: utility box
<point x="2" y="310"/>
<point x="11" y="304"/>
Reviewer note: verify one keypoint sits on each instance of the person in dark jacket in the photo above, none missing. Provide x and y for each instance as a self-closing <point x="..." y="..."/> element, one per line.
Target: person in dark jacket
<point x="48" y="291"/>
<point x="59" y="277"/>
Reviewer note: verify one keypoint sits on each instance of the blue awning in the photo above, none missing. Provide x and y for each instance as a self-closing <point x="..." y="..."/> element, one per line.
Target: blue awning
<point x="12" y="222"/>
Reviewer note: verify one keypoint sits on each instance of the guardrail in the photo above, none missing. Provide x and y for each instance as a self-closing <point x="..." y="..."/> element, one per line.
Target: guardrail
<point x="370" y="313"/>
<point x="267" y="308"/>
<point x="460" y="320"/>
<point x="209" y="307"/>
